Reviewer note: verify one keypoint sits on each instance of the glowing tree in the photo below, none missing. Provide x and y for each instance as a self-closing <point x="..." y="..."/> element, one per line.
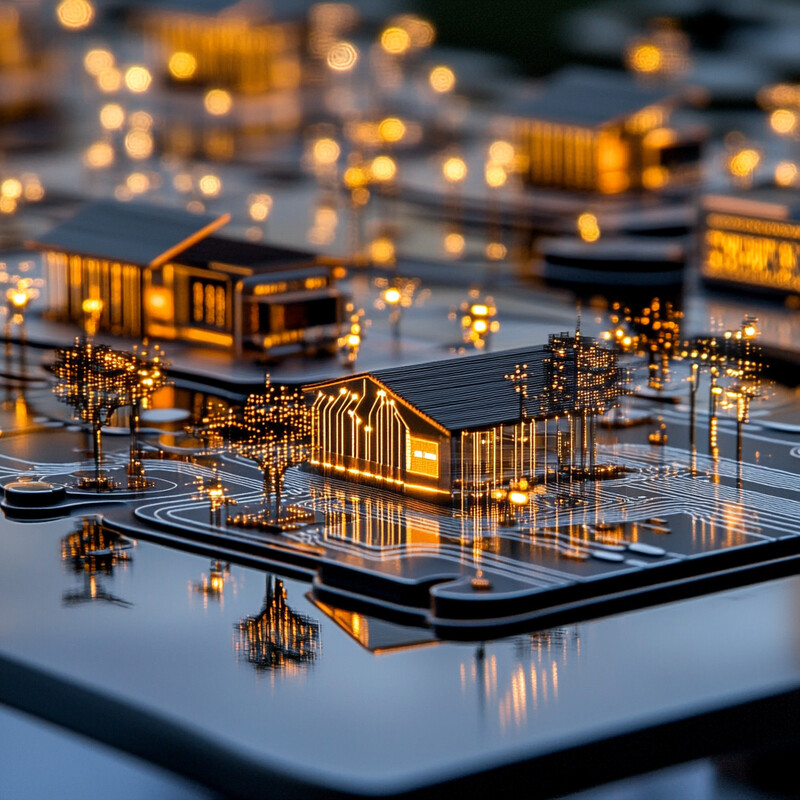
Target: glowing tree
<point x="276" y="427"/>
<point x="150" y="377"/>
<point x="95" y="381"/>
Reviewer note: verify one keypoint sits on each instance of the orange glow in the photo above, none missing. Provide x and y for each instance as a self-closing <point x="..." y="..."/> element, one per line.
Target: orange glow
<point x="645" y="58"/>
<point x="326" y="151"/>
<point x="785" y="173"/>
<point x="210" y="185"/>
<point x="109" y="80"/>
<point x="391" y="129"/>
<point x="588" y="227"/>
<point x="75" y="14"/>
<point x="495" y="175"/>
<point x="783" y="121"/>
<point x="112" y="116"/>
<point x="138" y="79"/>
<point x="454" y="244"/>
<point x="218" y="102"/>
<point x="744" y="163"/>
<point x="383" y="168"/>
<point x="382" y="250"/>
<point x="99" y="155"/>
<point x="11" y="188"/>
<point x="454" y="169"/>
<point x="182" y="66"/>
<point x="501" y="152"/>
<point x="442" y="79"/>
<point x="97" y="61"/>
<point x="395" y="40"/>
<point x="139" y="144"/>
<point x="260" y="206"/>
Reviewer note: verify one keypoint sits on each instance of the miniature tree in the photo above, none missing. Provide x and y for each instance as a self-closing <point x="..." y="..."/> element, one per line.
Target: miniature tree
<point x="95" y="381"/>
<point x="276" y="426"/>
<point x="150" y="377"/>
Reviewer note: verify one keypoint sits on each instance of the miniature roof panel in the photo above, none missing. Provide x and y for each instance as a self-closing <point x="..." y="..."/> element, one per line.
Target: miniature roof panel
<point x="471" y="392"/>
<point x="589" y="98"/>
<point x="259" y="257"/>
<point x="133" y="233"/>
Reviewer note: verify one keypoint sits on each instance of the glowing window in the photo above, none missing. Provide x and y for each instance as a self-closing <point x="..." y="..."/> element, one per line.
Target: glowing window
<point x="423" y="456"/>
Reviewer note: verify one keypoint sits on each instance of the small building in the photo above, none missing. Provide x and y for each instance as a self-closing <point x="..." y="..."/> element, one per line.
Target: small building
<point x="751" y="243"/>
<point x="601" y="131"/>
<point x="239" y="46"/>
<point x="162" y="273"/>
<point x="453" y="430"/>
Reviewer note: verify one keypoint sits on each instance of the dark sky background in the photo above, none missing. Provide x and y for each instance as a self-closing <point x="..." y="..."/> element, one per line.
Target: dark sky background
<point x="524" y="30"/>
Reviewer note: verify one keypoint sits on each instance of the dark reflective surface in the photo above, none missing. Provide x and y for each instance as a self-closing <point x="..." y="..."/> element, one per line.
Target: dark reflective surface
<point x="393" y="708"/>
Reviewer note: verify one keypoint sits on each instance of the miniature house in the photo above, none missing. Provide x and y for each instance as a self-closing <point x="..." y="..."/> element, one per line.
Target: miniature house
<point x="160" y="272"/>
<point x="236" y="46"/>
<point x="451" y="429"/>
<point x="600" y="131"/>
<point x="748" y="242"/>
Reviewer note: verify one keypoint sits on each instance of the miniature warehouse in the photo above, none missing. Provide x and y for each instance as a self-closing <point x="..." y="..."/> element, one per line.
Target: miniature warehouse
<point x="323" y="342"/>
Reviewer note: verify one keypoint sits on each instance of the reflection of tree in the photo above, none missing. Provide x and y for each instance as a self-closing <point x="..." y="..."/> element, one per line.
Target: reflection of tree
<point x="277" y="637"/>
<point x="91" y="551"/>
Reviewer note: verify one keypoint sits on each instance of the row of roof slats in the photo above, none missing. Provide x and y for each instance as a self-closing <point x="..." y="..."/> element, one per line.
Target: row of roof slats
<point x="472" y="392"/>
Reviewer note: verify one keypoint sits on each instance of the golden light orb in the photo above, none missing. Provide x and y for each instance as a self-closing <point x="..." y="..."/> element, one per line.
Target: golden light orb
<point x="785" y="173"/>
<point x="783" y="121"/>
<point x="139" y="144"/>
<point x="395" y="41"/>
<point x="141" y="120"/>
<point x="138" y="182"/>
<point x="383" y="168"/>
<point x="97" y="61"/>
<point x="7" y="205"/>
<point x="744" y="162"/>
<point x="12" y="188"/>
<point x="326" y="151"/>
<point x="495" y="174"/>
<point x="442" y="79"/>
<point x="502" y="152"/>
<point x="421" y="31"/>
<point x="342" y="57"/>
<point x="259" y="207"/>
<point x="382" y="250"/>
<point x="218" y="102"/>
<point x="392" y="295"/>
<point x="99" y="155"/>
<point x="588" y="227"/>
<point x="112" y="116"/>
<point x="109" y="80"/>
<point x="182" y="66"/>
<point x="18" y="298"/>
<point x="518" y="498"/>
<point x="353" y="340"/>
<point x="496" y="251"/>
<point x="391" y="129"/>
<point x="355" y="177"/>
<point x="749" y="331"/>
<point x="454" y="169"/>
<point x="454" y="244"/>
<point x="33" y="189"/>
<point x="210" y="185"/>
<point x="645" y="57"/>
<point x="75" y="14"/>
<point x="138" y="79"/>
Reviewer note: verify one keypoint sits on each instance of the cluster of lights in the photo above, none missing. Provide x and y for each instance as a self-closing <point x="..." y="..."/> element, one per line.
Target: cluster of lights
<point x="350" y="343"/>
<point x="478" y="321"/>
<point x="15" y="190"/>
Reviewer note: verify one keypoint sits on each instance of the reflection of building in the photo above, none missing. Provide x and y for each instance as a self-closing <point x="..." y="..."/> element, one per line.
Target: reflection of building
<point x="91" y="551"/>
<point x="159" y="273"/>
<point x="277" y="637"/>
<point x="594" y="130"/>
<point x="751" y="243"/>
<point x="445" y="428"/>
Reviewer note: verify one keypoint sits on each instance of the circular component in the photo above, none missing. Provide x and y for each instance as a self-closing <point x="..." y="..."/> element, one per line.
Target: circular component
<point x="33" y="494"/>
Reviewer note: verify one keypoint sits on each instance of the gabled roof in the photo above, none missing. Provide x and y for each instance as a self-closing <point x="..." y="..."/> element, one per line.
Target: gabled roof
<point x="258" y="257"/>
<point x="133" y="233"/>
<point x="467" y="393"/>
<point x="589" y="98"/>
